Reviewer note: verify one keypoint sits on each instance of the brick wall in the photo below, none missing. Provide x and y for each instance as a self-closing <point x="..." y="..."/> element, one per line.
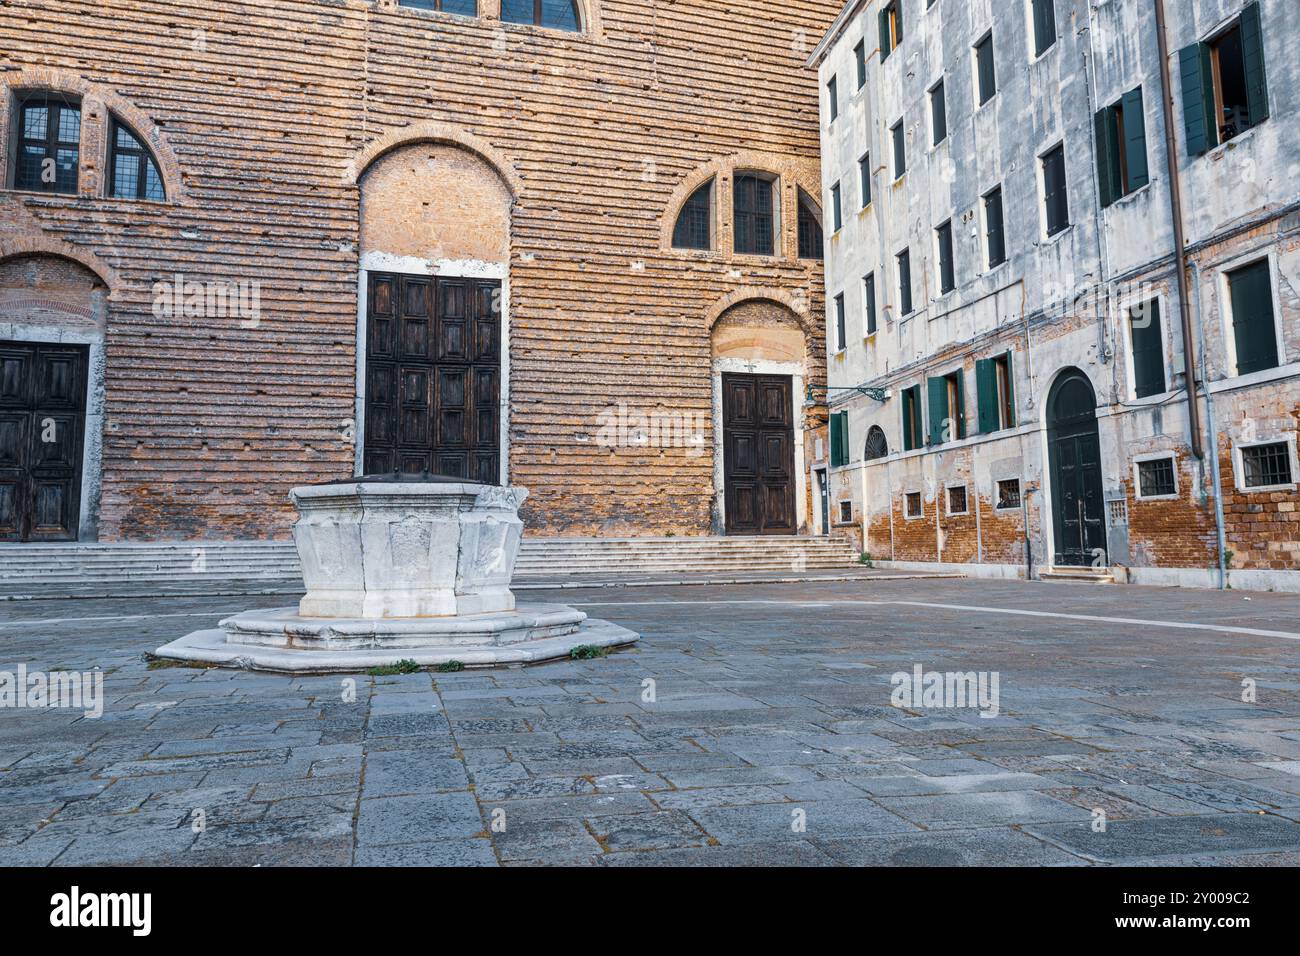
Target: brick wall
<point x="259" y="113"/>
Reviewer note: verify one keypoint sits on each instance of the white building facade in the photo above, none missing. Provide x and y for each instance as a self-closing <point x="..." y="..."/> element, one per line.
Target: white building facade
<point x="1009" y="339"/>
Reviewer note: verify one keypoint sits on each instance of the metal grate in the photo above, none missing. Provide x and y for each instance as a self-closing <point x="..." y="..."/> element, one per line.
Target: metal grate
<point x="957" y="504"/>
<point x="1267" y="465"/>
<point x="1118" y="508"/>
<point x="1156" y="478"/>
<point x="1008" y="494"/>
<point x="914" y="504"/>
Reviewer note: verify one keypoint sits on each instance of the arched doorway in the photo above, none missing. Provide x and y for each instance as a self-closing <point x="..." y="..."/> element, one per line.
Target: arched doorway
<point x="1074" y="462"/>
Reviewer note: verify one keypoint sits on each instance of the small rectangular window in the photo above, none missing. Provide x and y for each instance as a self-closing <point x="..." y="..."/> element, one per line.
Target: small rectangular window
<point x="905" y="282"/>
<point x="947" y="271"/>
<point x="864" y="179"/>
<point x="994" y="230"/>
<point x="841" y="333"/>
<point x="860" y="59"/>
<point x="957" y="500"/>
<point x="912" y="436"/>
<point x="1156" y="478"/>
<point x="913" y="505"/>
<point x="1146" y="337"/>
<point x="1267" y="466"/>
<point x="1044" y="13"/>
<point x="846" y="512"/>
<point x="938" y="114"/>
<point x="833" y="98"/>
<point x="837" y="215"/>
<point x="869" y="302"/>
<point x="1254" y="329"/>
<point x="900" y="149"/>
<point x="986" y="82"/>
<point x="1008" y="494"/>
<point x="1055" y="200"/>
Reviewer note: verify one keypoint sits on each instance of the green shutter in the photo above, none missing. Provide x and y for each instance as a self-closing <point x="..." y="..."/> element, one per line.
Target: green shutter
<point x="1252" y="318"/>
<point x="839" y="439"/>
<point x="938" y="389"/>
<point x="898" y="18"/>
<point x="959" y="413"/>
<point x="1011" y="391"/>
<point x="1148" y="350"/>
<point x="884" y="35"/>
<point x="1198" y="99"/>
<point x="911" y="417"/>
<point x="986" y="395"/>
<point x="1108" y="173"/>
<point x="1135" y="139"/>
<point x="1252" y="52"/>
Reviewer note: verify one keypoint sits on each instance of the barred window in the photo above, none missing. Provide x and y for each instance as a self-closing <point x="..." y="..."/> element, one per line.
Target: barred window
<point x="694" y="228"/>
<point x="1267" y="465"/>
<point x="914" y="509"/>
<point x="1156" y="478"/>
<point x="1008" y="494"/>
<point x="49" y="145"/>
<point x="135" y="174"/>
<point x="846" y="512"/>
<point x="957" y="503"/>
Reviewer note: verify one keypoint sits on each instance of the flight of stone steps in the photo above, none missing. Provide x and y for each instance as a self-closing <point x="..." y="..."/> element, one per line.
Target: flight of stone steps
<point x="211" y="567"/>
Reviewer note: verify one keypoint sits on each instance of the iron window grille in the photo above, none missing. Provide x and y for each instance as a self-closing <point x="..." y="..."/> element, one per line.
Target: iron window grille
<point x="1008" y="494"/>
<point x="1156" y="478"/>
<point x="1267" y="465"/>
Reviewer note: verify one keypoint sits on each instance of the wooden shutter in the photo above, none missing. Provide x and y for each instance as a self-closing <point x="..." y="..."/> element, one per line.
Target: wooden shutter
<point x="884" y="35"/>
<point x="839" y="439"/>
<point x="959" y="413"/>
<point x="1011" y="390"/>
<point x="986" y="395"/>
<point x="938" y="395"/>
<point x="1108" y="171"/>
<point x="1148" y="353"/>
<point x="1252" y="52"/>
<point x="911" y="418"/>
<point x="1135" y="139"/>
<point x="1252" y="318"/>
<point x="1044" y="26"/>
<point x="1198" y="99"/>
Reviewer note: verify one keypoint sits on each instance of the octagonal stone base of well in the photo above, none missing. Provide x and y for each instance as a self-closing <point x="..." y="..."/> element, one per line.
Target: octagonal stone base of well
<point x="284" y="641"/>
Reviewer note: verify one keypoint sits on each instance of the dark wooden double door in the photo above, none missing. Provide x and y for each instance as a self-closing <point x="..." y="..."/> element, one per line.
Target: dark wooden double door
<point x="42" y="426"/>
<point x="758" y="454"/>
<point x="433" y="377"/>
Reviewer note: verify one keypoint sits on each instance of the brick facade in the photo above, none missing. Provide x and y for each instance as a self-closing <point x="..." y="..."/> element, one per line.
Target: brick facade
<point x="279" y="129"/>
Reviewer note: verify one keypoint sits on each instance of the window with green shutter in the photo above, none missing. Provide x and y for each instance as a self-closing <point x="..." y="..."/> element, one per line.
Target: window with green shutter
<point x="938" y="114"/>
<point x="904" y="259"/>
<point x="1146" y="335"/>
<point x="1044" y="12"/>
<point x="1121" y="147"/>
<point x="994" y="395"/>
<point x="947" y="408"/>
<point x="891" y="28"/>
<point x="1055" y="198"/>
<point x="994" y="231"/>
<point x="1253" y="325"/>
<point x="911" y="402"/>
<point x="1224" y="83"/>
<point x="985" y="71"/>
<point x="839" y="439"/>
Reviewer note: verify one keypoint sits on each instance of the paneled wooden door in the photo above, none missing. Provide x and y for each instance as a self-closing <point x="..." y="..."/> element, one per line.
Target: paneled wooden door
<point x="433" y="377"/>
<point x="42" y="426"/>
<point x="758" y="454"/>
<point x="1074" y="457"/>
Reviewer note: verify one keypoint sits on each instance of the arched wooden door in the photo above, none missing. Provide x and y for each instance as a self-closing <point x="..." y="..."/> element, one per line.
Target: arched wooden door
<point x="1074" y="461"/>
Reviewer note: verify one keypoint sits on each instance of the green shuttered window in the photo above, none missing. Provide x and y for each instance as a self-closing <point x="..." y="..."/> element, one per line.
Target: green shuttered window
<point x="994" y="394"/>
<point x="1253" y="328"/>
<point x="1121" y="147"/>
<point x="1224" y="82"/>
<point x="1147" y="337"/>
<point x="839" y="439"/>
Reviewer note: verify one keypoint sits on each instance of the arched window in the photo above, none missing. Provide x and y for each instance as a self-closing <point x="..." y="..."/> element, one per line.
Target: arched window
<point x="49" y="144"/>
<point x="556" y="14"/>
<point x="877" y="444"/>
<point x="755" y="213"/>
<point x="810" y="228"/>
<point x="466" y="8"/>
<point x="694" y="228"/>
<point x="134" y="172"/>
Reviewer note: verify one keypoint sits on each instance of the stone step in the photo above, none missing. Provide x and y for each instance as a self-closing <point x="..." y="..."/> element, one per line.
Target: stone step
<point x="1078" y="575"/>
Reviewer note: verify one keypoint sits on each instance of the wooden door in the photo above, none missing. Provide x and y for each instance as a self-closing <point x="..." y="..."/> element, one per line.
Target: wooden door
<point x="758" y="454"/>
<point x="433" y="377"/>
<point x="42" y="425"/>
<point x="1074" y="452"/>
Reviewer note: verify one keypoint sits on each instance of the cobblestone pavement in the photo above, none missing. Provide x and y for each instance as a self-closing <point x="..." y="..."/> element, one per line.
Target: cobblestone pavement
<point x="767" y="736"/>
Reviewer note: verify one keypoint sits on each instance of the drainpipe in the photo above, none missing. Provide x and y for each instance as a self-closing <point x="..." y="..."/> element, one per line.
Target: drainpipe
<point x="1180" y="240"/>
<point x="1215" y="476"/>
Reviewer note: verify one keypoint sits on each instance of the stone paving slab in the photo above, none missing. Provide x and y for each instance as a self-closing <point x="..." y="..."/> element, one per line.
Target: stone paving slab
<point x="752" y="726"/>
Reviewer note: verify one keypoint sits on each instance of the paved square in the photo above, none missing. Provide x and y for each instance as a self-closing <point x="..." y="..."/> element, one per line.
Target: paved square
<point x="752" y="725"/>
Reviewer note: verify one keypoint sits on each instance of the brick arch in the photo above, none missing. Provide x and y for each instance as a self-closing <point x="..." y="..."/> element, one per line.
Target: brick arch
<point x="45" y="246"/>
<point x="435" y="132"/>
<point x="802" y="174"/>
<point x="97" y="102"/>
<point x="798" y="311"/>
